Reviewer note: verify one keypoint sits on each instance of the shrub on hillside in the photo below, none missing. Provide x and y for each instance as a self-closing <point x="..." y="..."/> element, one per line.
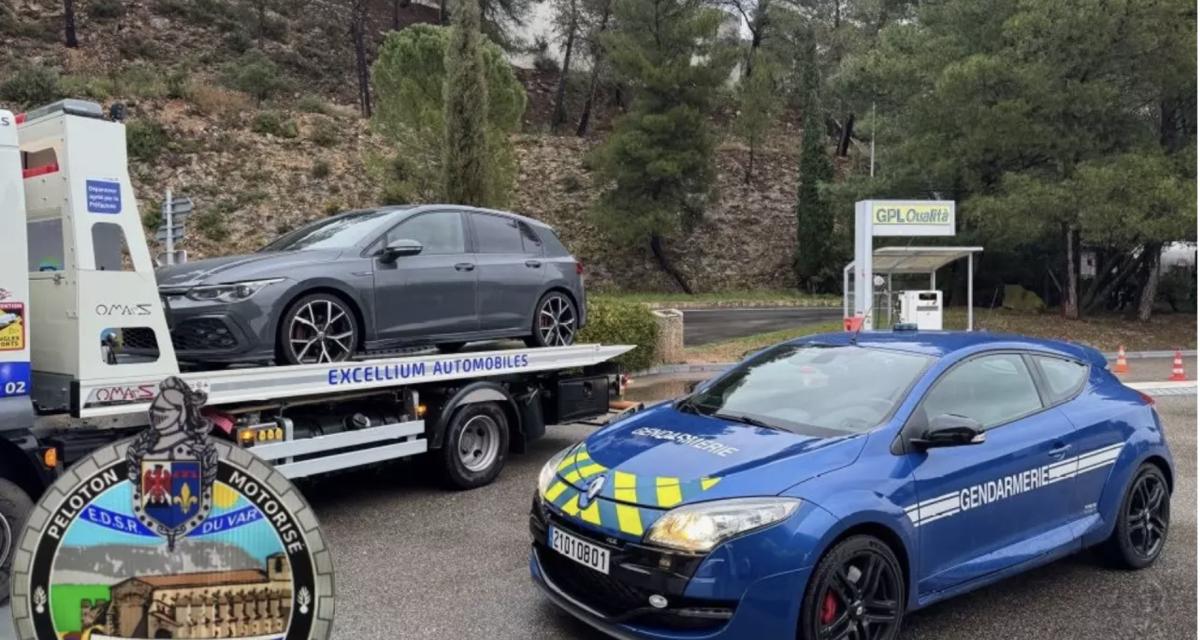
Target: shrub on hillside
<point x="320" y="170"/>
<point x="274" y="123"/>
<point x="32" y="86"/>
<point x="323" y="134"/>
<point x="215" y="101"/>
<point x="105" y="9"/>
<point x="255" y="74"/>
<point x="312" y="104"/>
<point x="145" y="139"/>
<point x="614" y="322"/>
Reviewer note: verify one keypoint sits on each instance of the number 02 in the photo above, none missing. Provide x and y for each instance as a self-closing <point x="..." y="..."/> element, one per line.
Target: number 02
<point x="14" y="387"/>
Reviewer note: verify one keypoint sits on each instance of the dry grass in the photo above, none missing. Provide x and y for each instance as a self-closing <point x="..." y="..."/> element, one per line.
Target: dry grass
<point x="216" y="101"/>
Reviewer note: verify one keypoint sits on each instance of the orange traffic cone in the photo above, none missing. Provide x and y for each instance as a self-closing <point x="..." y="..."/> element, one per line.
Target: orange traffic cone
<point x="1122" y="366"/>
<point x="1177" y="372"/>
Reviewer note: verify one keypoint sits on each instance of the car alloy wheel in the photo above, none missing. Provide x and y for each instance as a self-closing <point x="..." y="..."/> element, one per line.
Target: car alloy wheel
<point x="556" y="322"/>
<point x="479" y="443"/>
<point x="860" y="599"/>
<point x="1147" y="515"/>
<point x="321" y="331"/>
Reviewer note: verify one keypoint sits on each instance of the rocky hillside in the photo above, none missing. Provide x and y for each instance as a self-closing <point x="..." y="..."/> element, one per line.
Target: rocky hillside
<point x="257" y="167"/>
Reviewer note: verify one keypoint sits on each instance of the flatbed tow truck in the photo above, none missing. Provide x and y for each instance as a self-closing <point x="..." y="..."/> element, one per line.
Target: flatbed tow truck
<point x="76" y="273"/>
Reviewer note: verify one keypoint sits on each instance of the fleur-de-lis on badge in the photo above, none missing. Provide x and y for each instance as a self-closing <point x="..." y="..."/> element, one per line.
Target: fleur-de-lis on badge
<point x="185" y="499"/>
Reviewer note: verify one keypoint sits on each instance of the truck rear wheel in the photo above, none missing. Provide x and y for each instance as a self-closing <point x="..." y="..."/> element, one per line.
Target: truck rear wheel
<point x="15" y="506"/>
<point x="476" y="445"/>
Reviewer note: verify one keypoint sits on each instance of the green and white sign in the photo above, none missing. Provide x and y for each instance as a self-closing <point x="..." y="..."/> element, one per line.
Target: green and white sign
<point x="910" y="217"/>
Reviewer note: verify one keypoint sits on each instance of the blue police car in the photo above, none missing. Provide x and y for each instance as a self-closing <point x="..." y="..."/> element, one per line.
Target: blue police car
<point x="828" y="485"/>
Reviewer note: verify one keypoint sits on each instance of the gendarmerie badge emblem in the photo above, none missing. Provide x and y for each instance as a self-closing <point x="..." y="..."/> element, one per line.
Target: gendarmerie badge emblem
<point x="172" y="534"/>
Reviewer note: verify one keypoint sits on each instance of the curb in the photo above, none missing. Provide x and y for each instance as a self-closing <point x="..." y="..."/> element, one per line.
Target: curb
<point x="717" y="367"/>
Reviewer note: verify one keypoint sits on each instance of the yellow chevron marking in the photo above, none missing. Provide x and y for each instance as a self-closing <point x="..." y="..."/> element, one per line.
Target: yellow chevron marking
<point x="591" y="470"/>
<point x="707" y="483"/>
<point x="625" y="488"/>
<point x="571" y="508"/>
<point x="591" y="513"/>
<point x="669" y="493"/>
<point x="571" y="476"/>
<point x="629" y="519"/>
<point x="555" y="491"/>
<point x="579" y="456"/>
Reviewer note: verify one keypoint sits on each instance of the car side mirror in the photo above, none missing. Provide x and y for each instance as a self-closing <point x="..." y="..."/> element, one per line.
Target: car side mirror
<point x="950" y="430"/>
<point x="400" y="248"/>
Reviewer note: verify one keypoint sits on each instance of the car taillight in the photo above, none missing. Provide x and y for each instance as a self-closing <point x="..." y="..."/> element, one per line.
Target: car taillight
<point x="578" y="268"/>
<point x="1147" y="399"/>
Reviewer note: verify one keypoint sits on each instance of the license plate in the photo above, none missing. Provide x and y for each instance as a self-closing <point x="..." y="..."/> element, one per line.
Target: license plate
<point x="585" y="553"/>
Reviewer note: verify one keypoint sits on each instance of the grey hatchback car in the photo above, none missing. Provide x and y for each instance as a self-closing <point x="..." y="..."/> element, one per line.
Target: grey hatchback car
<point x="373" y="280"/>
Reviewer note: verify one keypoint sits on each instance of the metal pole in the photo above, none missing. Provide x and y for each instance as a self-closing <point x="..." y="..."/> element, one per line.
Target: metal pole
<point x="890" y="323"/>
<point x="970" y="292"/>
<point x="170" y="227"/>
<point x="874" y="130"/>
<point x="846" y="290"/>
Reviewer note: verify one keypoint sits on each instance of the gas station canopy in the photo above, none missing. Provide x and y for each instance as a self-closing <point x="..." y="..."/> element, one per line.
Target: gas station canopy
<point x="918" y="259"/>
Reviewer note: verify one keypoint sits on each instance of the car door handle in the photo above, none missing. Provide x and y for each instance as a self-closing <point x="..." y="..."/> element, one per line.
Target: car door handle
<point x="1060" y="451"/>
<point x="534" y="264"/>
<point x="465" y="266"/>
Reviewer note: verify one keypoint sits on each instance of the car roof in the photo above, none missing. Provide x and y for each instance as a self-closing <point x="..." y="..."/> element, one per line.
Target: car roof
<point x="414" y="209"/>
<point x="945" y="343"/>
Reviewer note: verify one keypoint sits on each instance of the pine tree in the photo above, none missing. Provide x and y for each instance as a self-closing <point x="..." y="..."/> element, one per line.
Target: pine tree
<point x="659" y="159"/>
<point x="466" y="170"/>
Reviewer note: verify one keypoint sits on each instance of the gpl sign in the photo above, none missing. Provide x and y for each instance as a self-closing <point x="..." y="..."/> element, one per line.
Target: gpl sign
<point x="891" y="218"/>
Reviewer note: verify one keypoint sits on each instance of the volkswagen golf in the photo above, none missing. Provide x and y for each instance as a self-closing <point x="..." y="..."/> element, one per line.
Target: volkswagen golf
<point x="376" y="279"/>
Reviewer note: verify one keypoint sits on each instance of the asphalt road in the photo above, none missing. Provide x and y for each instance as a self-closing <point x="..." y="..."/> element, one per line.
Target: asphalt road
<point x="702" y="326"/>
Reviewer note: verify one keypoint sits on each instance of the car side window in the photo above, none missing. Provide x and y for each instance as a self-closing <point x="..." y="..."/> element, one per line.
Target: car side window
<point x="496" y="234"/>
<point x="991" y="390"/>
<point x="1064" y="378"/>
<point x="530" y="240"/>
<point x="440" y="232"/>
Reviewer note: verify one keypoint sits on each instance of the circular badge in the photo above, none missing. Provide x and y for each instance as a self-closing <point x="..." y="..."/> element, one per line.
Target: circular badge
<point x="172" y="535"/>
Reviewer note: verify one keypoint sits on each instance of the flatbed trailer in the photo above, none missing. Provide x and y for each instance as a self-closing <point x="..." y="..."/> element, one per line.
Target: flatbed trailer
<point x="76" y="272"/>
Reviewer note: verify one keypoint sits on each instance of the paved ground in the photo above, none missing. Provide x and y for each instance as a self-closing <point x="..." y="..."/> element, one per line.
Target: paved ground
<point x="701" y="326"/>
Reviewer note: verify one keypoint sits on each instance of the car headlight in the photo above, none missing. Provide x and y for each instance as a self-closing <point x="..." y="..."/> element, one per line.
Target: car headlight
<point x="698" y="528"/>
<point x="550" y="470"/>
<point x="233" y="292"/>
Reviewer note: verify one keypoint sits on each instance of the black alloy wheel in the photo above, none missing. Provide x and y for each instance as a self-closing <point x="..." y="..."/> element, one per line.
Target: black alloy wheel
<point x="1145" y="517"/>
<point x="318" y="328"/>
<point x="856" y="593"/>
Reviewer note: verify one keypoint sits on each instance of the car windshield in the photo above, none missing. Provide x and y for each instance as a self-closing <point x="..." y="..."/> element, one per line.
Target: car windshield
<point x="338" y="232"/>
<point x="812" y="389"/>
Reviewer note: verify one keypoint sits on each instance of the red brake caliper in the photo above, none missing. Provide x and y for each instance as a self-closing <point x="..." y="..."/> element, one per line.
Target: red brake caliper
<point x="828" y="608"/>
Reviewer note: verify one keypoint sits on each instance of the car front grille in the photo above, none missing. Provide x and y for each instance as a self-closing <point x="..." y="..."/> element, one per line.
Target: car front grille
<point x="601" y="592"/>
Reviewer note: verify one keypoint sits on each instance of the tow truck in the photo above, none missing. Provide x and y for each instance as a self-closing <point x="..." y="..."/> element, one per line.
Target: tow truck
<point x="76" y="275"/>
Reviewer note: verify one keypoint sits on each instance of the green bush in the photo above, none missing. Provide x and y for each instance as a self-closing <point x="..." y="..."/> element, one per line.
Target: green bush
<point x="320" y="170"/>
<point x="274" y="123"/>
<point x="312" y="104"/>
<point x="324" y="135"/>
<point x="105" y="9"/>
<point x="255" y="74"/>
<point x="145" y="139"/>
<point x="32" y="86"/>
<point x="613" y="322"/>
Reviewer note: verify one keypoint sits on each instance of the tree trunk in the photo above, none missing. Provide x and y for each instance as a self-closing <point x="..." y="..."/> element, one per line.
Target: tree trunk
<point x="1153" y="256"/>
<point x="362" y="70"/>
<point x="443" y="16"/>
<point x="594" y="83"/>
<point x="1096" y="300"/>
<point x="1071" y="299"/>
<point x="664" y="263"/>
<point x="750" y="165"/>
<point x="69" y="23"/>
<point x="560" y="95"/>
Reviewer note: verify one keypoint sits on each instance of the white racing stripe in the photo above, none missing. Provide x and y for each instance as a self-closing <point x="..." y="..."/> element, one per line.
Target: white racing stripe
<point x="985" y="493"/>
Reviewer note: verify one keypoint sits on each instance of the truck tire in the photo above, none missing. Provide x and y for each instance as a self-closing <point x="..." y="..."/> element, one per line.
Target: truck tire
<point x="475" y="447"/>
<point x="15" y="506"/>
